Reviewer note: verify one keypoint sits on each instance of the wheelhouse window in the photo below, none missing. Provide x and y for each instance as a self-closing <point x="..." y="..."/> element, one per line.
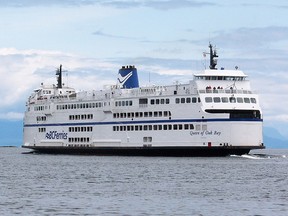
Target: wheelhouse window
<point x="208" y="99"/>
<point x="216" y="99"/>
<point x="232" y="100"/>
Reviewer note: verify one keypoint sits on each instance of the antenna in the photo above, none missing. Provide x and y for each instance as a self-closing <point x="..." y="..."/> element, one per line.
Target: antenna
<point x="213" y="55"/>
<point x="59" y="76"/>
<point x="59" y="72"/>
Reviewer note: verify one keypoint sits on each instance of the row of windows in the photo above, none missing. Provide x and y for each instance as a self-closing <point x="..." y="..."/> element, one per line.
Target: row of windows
<point x="38" y="108"/>
<point x="231" y="78"/>
<point x="41" y="130"/>
<point x="187" y="100"/>
<point x="41" y="118"/>
<point x="47" y="92"/>
<point x="82" y="117"/>
<point x="154" y="127"/>
<point x="80" y="129"/>
<point x="123" y="103"/>
<point x="79" y="106"/>
<point x="78" y="145"/>
<point x="142" y="114"/>
<point x="230" y="99"/>
<point x="160" y="101"/>
<point x="78" y="139"/>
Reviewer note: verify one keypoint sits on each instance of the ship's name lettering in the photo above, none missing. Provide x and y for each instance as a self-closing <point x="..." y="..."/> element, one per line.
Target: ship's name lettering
<point x="205" y="133"/>
<point x="56" y="135"/>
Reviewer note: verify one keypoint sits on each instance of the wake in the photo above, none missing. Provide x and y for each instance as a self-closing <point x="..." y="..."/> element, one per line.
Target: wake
<point x="258" y="156"/>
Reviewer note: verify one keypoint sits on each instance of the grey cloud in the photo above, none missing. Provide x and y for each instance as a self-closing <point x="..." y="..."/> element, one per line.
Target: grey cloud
<point x="252" y="37"/>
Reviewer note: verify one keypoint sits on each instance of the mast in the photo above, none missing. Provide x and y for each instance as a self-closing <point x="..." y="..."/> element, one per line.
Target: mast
<point x="59" y="76"/>
<point x="213" y="55"/>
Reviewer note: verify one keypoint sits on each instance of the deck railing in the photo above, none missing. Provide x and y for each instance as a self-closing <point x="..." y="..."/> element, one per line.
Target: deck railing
<point x="224" y="91"/>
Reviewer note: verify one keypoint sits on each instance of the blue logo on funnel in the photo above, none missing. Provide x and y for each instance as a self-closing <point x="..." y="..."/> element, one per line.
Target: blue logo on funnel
<point x="128" y="78"/>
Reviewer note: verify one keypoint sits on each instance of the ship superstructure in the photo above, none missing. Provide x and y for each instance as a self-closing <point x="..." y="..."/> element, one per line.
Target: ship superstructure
<point x="215" y="114"/>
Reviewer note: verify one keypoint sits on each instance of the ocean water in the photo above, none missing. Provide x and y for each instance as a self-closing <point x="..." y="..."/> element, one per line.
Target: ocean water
<point x="39" y="184"/>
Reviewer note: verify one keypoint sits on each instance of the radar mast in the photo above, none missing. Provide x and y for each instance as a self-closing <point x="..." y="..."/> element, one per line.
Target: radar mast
<point x="59" y="76"/>
<point x="213" y="56"/>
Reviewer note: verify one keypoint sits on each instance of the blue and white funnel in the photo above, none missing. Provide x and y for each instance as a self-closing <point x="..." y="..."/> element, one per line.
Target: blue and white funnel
<point x="128" y="78"/>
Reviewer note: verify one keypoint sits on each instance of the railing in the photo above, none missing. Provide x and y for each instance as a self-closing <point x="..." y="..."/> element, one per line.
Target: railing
<point x="224" y="91"/>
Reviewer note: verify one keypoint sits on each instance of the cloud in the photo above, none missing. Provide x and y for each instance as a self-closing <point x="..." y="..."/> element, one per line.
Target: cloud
<point x="102" y="34"/>
<point x="23" y="71"/>
<point x="155" y="4"/>
<point x="44" y="3"/>
<point x="160" y="5"/>
<point x="254" y="38"/>
<point x="12" y="116"/>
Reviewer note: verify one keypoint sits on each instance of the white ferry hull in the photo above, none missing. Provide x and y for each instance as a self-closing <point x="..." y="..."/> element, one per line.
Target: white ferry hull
<point x="219" y="138"/>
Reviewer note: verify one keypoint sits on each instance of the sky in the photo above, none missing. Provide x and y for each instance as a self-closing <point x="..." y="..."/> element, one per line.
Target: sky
<point x="165" y="40"/>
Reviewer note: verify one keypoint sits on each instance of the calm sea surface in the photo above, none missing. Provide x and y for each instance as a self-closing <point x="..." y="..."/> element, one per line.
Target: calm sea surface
<point x="33" y="184"/>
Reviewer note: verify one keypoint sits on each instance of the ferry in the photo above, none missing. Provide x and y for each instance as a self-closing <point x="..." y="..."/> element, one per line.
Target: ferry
<point x="214" y="114"/>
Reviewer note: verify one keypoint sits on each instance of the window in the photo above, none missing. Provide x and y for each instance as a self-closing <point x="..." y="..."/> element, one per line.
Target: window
<point x="232" y="100"/>
<point x="239" y="100"/>
<point x="216" y="99"/>
<point x="253" y="100"/>
<point x="224" y="100"/>
<point x="143" y="101"/>
<point x="177" y="100"/>
<point x="208" y="99"/>
<point x="246" y="100"/>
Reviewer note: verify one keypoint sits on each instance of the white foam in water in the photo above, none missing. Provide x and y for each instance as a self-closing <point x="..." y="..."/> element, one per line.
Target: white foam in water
<point x="258" y="156"/>
<point x="255" y="157"/>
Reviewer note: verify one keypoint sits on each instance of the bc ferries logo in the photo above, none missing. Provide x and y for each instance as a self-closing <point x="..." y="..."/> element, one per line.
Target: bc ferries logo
<point x="56" y="135"/>
<point x="123" y="79"/>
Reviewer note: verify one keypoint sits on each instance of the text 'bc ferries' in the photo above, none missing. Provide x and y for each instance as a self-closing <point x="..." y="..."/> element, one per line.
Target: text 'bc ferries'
<point x="215" y="114"/>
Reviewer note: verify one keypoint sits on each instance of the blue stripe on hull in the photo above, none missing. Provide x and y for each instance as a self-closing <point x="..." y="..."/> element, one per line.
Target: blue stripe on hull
<point x="145" y="122"/>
